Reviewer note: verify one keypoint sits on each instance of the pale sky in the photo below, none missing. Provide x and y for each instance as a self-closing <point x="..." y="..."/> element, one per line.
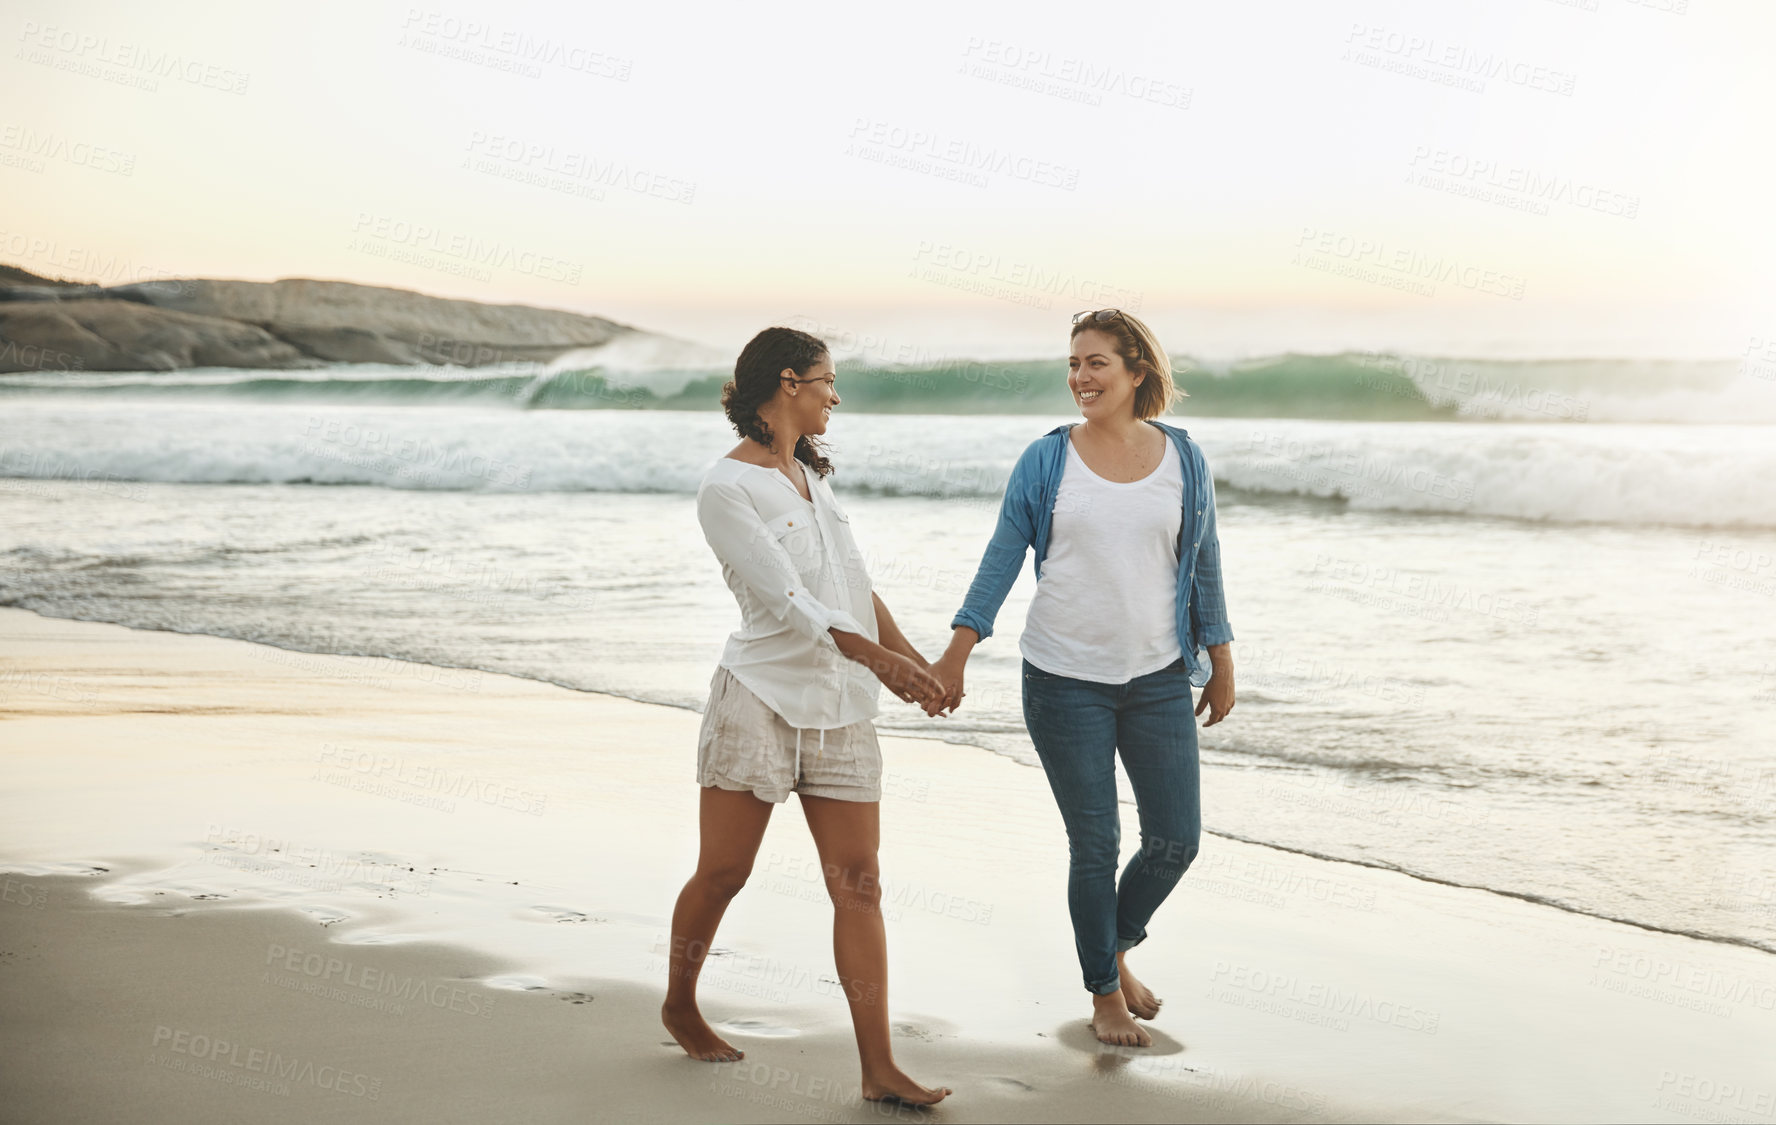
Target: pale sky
<point x="932" y="178"/>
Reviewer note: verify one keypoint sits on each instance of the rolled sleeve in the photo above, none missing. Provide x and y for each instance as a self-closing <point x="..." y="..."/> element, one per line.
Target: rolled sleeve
<point x="746" y="546"/>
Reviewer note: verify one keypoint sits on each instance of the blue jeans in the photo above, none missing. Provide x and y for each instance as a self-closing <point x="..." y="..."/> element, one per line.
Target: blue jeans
<point x="1078" y="728"/>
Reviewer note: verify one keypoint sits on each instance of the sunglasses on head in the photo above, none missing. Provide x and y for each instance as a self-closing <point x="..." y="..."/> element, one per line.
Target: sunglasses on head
<point x="1099" y="316"/>
<point x="1105" y="316"/>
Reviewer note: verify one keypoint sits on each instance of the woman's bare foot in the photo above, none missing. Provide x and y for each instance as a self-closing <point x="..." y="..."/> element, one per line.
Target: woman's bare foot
<point x="1112" y="1023"/>
<point x="1142" y="1004"/>
<point x="696" y="1036"/>
<point x="893" y="1086"/>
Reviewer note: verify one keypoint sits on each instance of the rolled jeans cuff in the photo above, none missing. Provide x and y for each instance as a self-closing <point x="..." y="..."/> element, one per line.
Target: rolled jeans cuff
<point x="1105" y="988"/>
<point x="1124" y="944"/>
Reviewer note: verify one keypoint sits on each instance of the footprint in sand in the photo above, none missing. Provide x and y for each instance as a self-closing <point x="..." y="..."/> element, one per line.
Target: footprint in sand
<point x="564" y="914"/>
<point x="1017" y="1084"/>
<point x="759" y="1028"/>
<point x="537" y="984"/>
<point x="927" y="1031"/>
<point x="517" y="983"/>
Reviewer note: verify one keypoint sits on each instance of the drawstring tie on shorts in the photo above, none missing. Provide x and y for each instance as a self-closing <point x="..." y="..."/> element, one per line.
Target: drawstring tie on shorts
<point x="796" y="778"/>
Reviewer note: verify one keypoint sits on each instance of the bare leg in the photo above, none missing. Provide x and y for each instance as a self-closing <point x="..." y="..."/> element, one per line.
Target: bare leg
<point x="847" y="834"/>
<point x="1142" y="1004"/>
<point x="730" y="825"/>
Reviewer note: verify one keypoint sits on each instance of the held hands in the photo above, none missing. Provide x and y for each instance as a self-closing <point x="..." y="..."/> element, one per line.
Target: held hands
<point x="948" y="670"/>
<point x="949" y="666"/>
<point x="908" y="679"/>
<point x="935" y="688"/>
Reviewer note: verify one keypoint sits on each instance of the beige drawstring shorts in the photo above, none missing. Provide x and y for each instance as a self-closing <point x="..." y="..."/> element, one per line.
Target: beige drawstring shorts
<point x="745" y="745"/>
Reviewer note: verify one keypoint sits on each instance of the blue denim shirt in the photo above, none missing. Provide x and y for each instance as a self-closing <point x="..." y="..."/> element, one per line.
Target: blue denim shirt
<point x="1027" y="511"/>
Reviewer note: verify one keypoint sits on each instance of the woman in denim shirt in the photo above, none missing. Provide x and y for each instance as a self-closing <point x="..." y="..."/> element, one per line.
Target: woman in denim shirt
<point x="1121" y="513"/>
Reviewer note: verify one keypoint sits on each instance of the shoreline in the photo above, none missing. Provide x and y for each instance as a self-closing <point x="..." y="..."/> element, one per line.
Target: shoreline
<point x="227" y="788"/>
<point x="444" y="672"/>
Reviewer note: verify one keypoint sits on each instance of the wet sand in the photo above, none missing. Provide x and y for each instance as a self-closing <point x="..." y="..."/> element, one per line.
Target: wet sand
<point x="247" y="884"/>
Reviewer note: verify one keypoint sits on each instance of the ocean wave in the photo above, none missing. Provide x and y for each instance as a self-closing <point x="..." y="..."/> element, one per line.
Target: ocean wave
<point x="1355" y="386"/>
<point x="1692" y="476"/>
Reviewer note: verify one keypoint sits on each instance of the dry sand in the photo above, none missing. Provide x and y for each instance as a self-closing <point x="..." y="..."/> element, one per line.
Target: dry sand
<point x="251" y="885"/>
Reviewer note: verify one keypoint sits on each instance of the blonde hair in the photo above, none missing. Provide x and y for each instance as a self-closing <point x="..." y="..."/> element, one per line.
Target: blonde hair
<point x="1142" y="354"/>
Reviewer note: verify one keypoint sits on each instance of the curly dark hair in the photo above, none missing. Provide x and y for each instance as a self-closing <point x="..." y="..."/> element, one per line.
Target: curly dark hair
<point x="764" y="358"/>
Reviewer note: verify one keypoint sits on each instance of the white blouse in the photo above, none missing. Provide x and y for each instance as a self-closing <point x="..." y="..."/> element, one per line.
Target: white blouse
<point x="796" y="572"/>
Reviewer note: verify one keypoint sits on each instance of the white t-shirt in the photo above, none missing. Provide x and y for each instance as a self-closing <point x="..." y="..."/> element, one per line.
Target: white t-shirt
<point x="1105" y="607"/>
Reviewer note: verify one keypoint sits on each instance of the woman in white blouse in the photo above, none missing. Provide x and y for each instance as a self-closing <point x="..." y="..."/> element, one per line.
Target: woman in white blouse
<point x="788" y="708"/>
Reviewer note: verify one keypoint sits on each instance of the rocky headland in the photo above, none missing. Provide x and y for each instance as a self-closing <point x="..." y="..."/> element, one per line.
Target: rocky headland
<point x="48" y="324"/>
